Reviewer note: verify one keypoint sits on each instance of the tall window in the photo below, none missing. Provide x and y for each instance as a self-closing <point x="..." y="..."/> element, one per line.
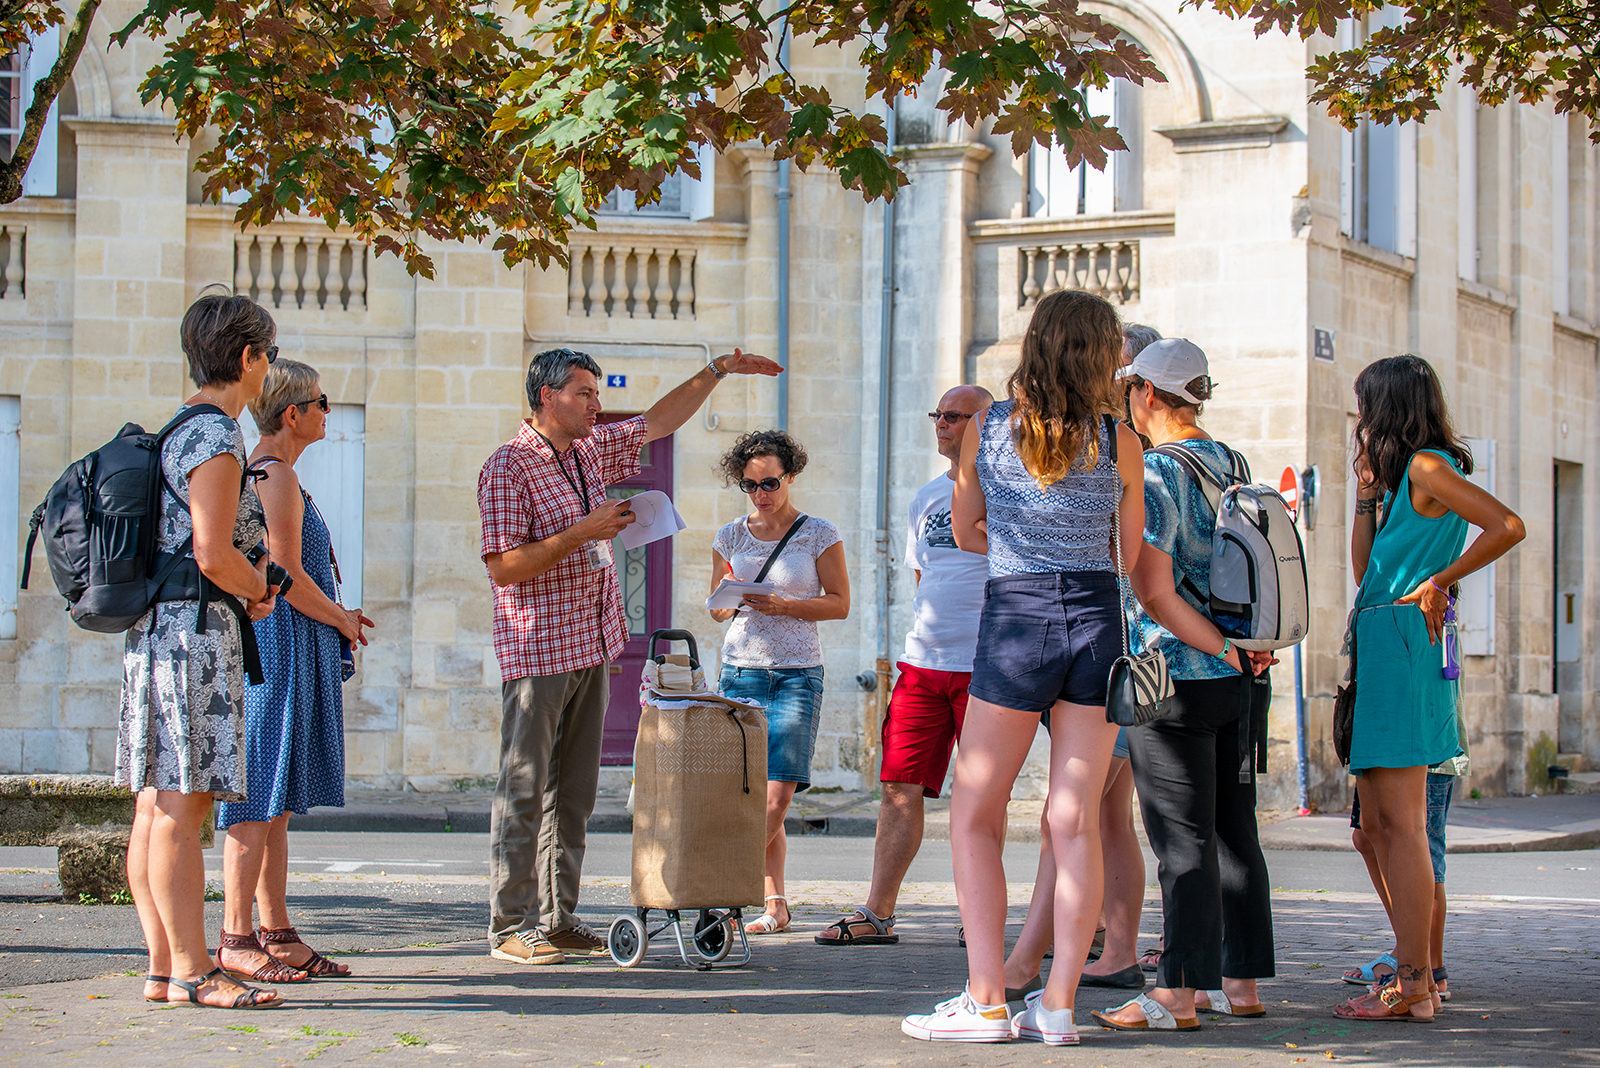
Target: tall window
<point x="1475" y="611"/>
<point x="1378" y="167"/>
<point x="1056" y="190"/>
<point x="18" y="73"/>
<point x="682" y="197"/>
<point x="10" y="509"/>
<point x="334" y="472"/>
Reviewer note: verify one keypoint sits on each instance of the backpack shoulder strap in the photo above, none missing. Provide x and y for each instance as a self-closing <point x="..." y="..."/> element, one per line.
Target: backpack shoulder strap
<point x="1203" y="476"/>
<point x="167" y="431"/>
<point x="1110" y="424"/>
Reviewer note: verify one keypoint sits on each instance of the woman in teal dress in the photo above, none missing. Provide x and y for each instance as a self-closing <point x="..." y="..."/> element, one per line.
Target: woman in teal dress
<point x="1407" y="453"/>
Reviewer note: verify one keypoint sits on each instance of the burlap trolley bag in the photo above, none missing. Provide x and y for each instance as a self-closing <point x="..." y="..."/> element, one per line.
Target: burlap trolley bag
<point x="699" y="813"/>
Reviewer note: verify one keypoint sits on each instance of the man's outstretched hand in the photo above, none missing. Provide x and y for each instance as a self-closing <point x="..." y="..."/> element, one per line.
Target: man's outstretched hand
<point x="739" y="362"/>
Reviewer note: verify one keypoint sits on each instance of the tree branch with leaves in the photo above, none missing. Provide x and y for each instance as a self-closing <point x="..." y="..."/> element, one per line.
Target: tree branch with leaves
<point x="21" y="21"/>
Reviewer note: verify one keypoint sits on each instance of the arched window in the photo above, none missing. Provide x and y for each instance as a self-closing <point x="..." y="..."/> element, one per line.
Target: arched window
<point x="1056" y="190"/>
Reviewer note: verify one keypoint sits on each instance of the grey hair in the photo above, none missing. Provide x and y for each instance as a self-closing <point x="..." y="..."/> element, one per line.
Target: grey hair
<point x="553" y="368"/>
<point x="287" y="383"/>
<point x="1136" y="337"/>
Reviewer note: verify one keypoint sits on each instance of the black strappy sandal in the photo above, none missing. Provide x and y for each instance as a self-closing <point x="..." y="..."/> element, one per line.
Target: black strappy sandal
<point x="841" y="931"/>
<point x="165" y="980"/>
<point x="318" y="967"/>
<point x="252" y="998"/>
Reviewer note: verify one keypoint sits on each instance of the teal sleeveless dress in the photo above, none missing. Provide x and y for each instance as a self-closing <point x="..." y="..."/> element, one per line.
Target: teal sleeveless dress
<point x="1405" y="710"/>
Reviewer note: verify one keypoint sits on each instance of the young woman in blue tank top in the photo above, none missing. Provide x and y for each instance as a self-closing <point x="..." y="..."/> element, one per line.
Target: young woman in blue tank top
<point x="1407" y="453"/>
<point x="1037" y="490"/>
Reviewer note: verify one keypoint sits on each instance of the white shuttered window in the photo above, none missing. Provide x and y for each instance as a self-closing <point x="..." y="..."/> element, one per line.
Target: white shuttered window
<point x="334" y="472"/>
<point x="1475" y="611"/>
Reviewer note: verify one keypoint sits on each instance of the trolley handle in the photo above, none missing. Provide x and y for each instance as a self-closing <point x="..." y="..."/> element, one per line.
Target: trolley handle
<point x="670" y="636"/>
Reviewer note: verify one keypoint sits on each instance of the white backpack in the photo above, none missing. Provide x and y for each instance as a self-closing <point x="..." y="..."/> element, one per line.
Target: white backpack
<point x="1258" y="566"/>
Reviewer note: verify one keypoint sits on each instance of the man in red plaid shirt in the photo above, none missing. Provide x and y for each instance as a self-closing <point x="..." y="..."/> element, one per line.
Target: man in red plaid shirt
<point x="547" y="530"/>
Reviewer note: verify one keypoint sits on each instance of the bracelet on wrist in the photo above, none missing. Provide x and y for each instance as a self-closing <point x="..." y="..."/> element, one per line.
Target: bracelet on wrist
<point x="719" y="373"/>
<point x="1436" y="586"/>
<point x="1227" y="643"/>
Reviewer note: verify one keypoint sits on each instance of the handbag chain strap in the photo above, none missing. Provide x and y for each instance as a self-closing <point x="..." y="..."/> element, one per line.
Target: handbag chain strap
<point x="1122" y="578"/>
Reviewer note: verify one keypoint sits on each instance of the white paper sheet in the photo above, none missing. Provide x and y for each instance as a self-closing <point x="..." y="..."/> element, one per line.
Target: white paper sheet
<point x="654" y="518"/>
<point x="730" y="593"/>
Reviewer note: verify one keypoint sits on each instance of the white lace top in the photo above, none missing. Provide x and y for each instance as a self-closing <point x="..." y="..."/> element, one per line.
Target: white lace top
<point x="759" y="641"/>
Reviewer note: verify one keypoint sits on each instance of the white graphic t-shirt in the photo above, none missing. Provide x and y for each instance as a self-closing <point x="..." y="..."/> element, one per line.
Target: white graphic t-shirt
<point x="944" y="625"/>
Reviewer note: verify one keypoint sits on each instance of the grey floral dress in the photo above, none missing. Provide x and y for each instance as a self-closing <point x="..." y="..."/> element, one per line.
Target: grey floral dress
<point x="182" y="721"/>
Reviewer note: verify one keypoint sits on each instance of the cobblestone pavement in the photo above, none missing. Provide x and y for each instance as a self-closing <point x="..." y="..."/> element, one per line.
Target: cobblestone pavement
<point x="1525" y="972"/>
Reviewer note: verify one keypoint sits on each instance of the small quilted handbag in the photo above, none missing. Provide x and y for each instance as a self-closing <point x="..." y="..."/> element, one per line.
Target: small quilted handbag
<point x="1140" y="687"/>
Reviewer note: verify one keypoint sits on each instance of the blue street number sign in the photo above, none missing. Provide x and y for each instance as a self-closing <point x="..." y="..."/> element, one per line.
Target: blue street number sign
<point x="616" y="381"/>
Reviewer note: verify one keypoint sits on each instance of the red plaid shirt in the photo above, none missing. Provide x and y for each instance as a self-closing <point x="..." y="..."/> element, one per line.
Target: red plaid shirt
<point x="570" y="617"/>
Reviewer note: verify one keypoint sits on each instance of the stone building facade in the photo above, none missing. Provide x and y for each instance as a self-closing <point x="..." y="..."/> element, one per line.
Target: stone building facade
<point x="1242" y="217"/>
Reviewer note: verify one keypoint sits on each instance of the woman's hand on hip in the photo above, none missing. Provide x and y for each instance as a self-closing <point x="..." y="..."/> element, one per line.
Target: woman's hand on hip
<point x="1433" y="603"/>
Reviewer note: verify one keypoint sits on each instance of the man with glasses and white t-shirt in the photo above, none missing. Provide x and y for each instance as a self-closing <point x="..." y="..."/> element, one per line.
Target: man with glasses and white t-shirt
<point x="930" y="697"/>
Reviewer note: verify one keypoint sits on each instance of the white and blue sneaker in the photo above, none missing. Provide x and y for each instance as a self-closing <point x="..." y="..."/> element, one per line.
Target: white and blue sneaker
<point x="961" y="1020"/>
<point x="1053" y="1027"/>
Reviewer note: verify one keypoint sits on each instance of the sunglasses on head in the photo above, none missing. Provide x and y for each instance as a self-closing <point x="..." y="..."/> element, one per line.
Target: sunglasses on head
<point x="769" y="485"/>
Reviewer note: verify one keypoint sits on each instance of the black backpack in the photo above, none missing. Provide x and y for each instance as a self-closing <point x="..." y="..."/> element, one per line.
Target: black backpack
<point x="99" y="523"/>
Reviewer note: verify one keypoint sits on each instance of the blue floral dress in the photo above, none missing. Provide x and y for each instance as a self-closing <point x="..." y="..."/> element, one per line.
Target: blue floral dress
<point x="294" y="721"/>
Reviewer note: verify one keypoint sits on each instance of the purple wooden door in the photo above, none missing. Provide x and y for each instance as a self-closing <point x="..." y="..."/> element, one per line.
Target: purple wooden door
<point x="646" y="577"/>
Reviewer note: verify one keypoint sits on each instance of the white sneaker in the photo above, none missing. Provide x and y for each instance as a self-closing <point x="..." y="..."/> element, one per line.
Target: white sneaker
<point x="1053" y="1027"/>
<point x="961" y="1020"/>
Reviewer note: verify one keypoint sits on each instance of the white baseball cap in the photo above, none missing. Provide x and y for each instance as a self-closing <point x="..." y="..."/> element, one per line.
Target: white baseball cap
<point x="1170" y="364"/>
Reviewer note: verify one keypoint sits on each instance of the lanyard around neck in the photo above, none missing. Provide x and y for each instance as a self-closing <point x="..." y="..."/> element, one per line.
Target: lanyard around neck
<point x="581" y="486"/>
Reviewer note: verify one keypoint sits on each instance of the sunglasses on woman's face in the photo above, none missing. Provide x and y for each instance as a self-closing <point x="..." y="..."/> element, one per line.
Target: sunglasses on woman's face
<point x="768" y="485"/>
<point x="320" y="401"/>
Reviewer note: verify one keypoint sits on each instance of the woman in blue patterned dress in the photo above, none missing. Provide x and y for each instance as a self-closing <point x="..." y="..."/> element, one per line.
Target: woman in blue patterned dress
<point x="1044" y="478"/>
<point x="180" y="732"/>
<point x="294" y="721"/>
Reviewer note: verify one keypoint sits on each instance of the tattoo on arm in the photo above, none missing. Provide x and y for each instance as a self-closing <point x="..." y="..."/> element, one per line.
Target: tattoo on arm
<point x="1366" y="506"/>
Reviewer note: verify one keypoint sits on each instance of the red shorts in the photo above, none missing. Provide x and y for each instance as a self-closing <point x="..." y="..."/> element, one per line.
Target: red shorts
<point x="923" y="724"/>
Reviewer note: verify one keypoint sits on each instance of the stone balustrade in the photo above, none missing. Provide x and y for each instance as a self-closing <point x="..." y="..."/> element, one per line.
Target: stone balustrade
<point x="625" y="279"/>
<point x="13" y="261"/>
<point x="290" y="268"/>
<point x="1108" y="269"/>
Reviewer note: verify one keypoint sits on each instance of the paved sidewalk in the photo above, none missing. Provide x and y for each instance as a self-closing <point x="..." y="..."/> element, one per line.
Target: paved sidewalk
<point x="1490" y="825"/>
<point x="1487" y="825"/>
<point x="1524" y="974"/>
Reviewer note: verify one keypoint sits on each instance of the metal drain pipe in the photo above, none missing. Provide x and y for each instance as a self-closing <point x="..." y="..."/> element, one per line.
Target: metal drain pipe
<point x="783" y="197"/>
<point x="880" y="703"/>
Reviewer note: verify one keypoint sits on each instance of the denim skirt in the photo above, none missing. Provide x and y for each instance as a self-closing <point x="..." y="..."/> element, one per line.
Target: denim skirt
<point x="792" y="698"/>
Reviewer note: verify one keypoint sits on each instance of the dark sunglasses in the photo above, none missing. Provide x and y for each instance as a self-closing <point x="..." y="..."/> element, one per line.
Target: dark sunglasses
<point x="948" y="417"/>
<point x="272" y="354"/>
<point x="320" y="401"/>
<point x="770" y="485"/>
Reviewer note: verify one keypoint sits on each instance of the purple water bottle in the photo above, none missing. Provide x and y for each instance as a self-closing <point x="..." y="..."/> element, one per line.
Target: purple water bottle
<point x="1451" y="643"/>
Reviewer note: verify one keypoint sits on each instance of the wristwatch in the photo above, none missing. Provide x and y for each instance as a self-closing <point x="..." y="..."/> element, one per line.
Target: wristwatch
<point x="711" y="366"/>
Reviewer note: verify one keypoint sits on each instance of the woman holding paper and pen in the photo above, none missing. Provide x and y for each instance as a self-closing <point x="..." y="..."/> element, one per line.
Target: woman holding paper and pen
<point x="772" y="654"/>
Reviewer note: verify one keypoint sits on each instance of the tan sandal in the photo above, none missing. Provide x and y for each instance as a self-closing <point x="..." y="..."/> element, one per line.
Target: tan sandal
<point x="1392" y="1005"/>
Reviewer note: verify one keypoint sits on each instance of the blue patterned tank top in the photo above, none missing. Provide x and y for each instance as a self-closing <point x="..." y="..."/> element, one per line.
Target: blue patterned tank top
<point x="1032" y="531"/>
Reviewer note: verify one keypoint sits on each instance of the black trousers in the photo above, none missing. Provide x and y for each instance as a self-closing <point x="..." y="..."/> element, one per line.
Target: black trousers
<point x="1216" y="898"/>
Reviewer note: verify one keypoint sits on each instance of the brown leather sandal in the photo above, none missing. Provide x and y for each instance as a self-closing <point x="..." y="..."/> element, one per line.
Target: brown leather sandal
<point x="318" y="966"/>
<point x="275" y="971"/>
<point x="1394" y="1006"/>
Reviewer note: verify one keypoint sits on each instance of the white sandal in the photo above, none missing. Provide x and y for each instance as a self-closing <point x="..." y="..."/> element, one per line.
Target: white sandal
<point x="1156" y="1017"/>
<point x="765" y="924"/>
<point x="1219" y="1002"/>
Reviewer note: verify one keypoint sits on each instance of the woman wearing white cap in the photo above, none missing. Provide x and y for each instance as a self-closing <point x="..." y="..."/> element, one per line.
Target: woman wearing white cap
<point x="1195" y="769"/>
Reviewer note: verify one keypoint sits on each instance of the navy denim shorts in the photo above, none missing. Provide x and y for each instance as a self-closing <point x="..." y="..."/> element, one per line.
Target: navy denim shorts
<point x="1047" y="638"/>
<point x="792" y="698"/>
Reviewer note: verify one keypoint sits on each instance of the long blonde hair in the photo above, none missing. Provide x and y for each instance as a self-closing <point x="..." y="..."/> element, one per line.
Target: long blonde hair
<point x="1064" y="382"/>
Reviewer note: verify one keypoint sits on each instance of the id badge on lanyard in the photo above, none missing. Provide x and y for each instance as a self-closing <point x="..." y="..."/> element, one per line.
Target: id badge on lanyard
<point x="597" y="555"/>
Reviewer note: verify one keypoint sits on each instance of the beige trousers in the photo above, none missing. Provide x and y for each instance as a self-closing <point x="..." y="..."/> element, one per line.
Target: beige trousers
<point x="550" y="734"/>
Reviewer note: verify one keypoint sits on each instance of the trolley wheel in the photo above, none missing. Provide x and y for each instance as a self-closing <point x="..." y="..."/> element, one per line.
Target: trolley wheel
<point x="628" y="941"/>
<point x="713" y="935"/>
